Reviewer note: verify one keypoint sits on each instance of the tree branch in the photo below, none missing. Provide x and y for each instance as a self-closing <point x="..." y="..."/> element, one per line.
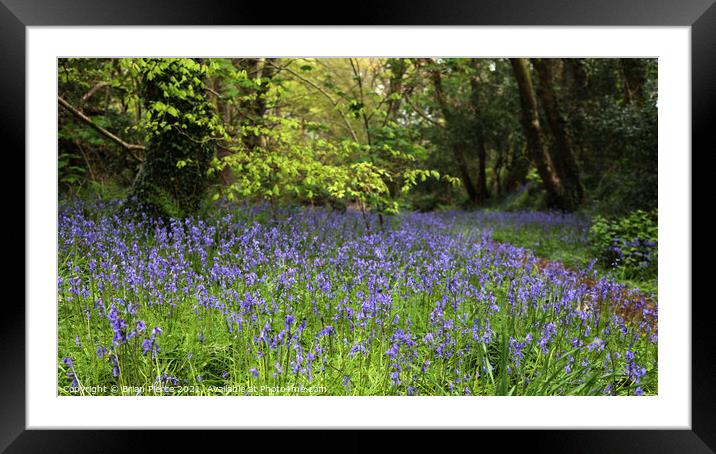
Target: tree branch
<point x="87" y="161"/>
<point x="359" y="79"/>
<point x="85" y="119"/>
<point x="324" y="93"/>
<point x="214" y="92"/>
<point x="92" y="91"/>
<point x="423" y="114"/>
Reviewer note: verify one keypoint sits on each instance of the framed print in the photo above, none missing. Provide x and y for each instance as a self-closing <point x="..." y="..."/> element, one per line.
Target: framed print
<point x="435" y="218"/>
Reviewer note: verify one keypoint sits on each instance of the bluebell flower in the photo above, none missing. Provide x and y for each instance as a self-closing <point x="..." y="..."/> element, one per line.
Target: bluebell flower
<point x="597" y="345"/>
<point x="395" y="377"/>
<point x="392" y="351"/>
<point x="547" y="333"/>
<point x="147" y="345"/>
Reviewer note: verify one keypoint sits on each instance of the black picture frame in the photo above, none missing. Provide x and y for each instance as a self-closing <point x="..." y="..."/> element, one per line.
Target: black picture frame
<point x="16" y="15"/>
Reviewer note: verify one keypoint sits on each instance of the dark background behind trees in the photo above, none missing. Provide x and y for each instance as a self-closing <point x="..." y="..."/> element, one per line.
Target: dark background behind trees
<point x="380" y="134"/>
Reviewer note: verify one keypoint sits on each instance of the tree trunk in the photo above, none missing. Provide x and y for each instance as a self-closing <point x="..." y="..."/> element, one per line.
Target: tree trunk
<point x="533" y="133"/>
<point x="499" y="163"/>
<point x="517" y="165"/>
<point x="398" y="67"/>
<point x="479" y="135"/>
<point x="472" y="192"/>
<point x="562" y="150"/>
<point x="254" y="110"/>
<point x="223" y="149"/>
<point x="465" y="175"/>
<point x="482" y="192"/>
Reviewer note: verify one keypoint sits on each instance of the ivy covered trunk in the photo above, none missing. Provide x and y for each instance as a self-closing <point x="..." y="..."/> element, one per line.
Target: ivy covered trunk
<point x="174" y="176"/>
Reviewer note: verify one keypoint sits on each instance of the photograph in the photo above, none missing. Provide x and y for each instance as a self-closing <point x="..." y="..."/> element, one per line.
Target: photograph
<point x="357" y="226"/>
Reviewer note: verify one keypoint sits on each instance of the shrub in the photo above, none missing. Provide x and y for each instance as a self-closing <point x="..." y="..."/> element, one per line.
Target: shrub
<point x="628" y="244"/>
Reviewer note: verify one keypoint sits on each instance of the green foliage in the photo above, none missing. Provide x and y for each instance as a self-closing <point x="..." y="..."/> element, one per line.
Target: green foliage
<point x="69" y="174"/>
<point x="103" y="90"/>
<point x="321" y="171"/>
<point x="349" y="131"/>
<point x="628" y="244"/>
<point x="290" y="172"/>
<point x="618" y="140"/>
<point x="628" y="135"/>
<point x="106" y="191"/>
<point x="373" y="162"/>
